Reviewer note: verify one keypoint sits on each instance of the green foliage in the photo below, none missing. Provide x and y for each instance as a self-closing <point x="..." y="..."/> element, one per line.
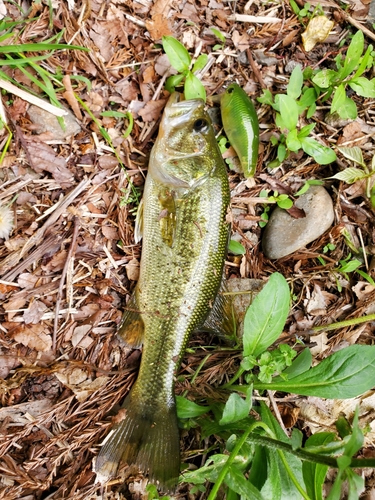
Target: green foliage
<point x="259" y="461"/>
<point x="14" y="55"/>
<point x="282" y="201"/>
<point x="289" y="107"/>
<point x="236" y="248"/>
<point x="348" y="73"/>
<point x="180" y="60"/>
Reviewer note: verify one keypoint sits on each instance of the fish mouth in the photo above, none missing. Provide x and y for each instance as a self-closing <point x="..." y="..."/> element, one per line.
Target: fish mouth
<point x="179" y="109"/>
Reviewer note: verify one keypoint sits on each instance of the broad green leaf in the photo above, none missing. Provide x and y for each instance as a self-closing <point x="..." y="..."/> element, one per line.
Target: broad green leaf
<point x="301" y="364"/>
<point x="353" y="154"/>
<point x="266" y="97"/>
<point x="356" y="484"/>
<point x="349" y="267"/>
<point x="274" y="463"/>
<point x="355" y="442"/>
<point x="236" y="408"/>
<point x="292" y="141"/>
<point x="338" y="98"/>
<point x="311" y="110"/>
<point x="288" y="111"/>
<point x="364" y="62"/>
<point x="306" y="130"/>
<point x="353" y="55"/>
<point x="281" y="152"/>
<point x="296" y="439"/>
<point x="321" y="154"/>
<point x="314" y="474"/>
<point x="342" y="375"/>
<point x="177" y="54"/>
<point x="266" y="316"/>
<point x="200" y="63"/>
<point x="295" y="83"/>
<point x="280" y="122"/>
<point x="173" y="81"/>
<point x="325" y="78"/>
<point x="350" y="175"/>
<point x="285" y="203"/>
<point x="238" y="483"/>
<point x="189" y="409"/>
<point x="218" y="34"/>
<point x="193" y="88"/>
<point x="308" y="98"/>
<point x="236" y="248"/>
<point x="363" y="87"/>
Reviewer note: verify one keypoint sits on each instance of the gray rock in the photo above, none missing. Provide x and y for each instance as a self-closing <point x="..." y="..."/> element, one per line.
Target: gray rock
<point x="284" y="234"/>
<point x="47" y="122"/>
<point x="243" y="290"/>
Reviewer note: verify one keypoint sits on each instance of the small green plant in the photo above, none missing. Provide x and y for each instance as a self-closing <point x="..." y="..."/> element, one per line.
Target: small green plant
<point x="181" y="61"/>
<point x="353" y="174"/>
<point x="282" y="201"/>
<point x="221" y="37"/>
<point x="236" y="248"/>
<point x="333" y="83"/>
<point x="297" y="101"/>
<point x="258" y="460"/>
<point x="304" y="12"/>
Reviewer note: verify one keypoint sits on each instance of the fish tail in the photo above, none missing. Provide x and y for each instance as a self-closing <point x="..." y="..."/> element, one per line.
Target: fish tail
<point x="147" y="437"/>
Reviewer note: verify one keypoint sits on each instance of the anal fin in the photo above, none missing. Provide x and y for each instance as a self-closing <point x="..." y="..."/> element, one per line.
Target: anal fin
<point x="131" y="328"/>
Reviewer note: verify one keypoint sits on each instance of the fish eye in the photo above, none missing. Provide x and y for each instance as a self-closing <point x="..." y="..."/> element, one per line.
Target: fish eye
<point x="200" y="125"/>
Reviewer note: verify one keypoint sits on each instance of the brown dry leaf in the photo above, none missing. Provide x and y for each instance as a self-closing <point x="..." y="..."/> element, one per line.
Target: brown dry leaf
<point x="80" y="338"/>
<point x="100" y="35"/>
<point x="110" y="232"/>
<point x="15" y="303"/>
<point x="7" y="363"/>
<point x="78" y="381"/>
<point x="350" y="133"/>
<point x="35" y="312"/>
<point x="161" y="7"/>
<point x="27" y="280"/>
<point x="32" y="336"/>
<point x="152" y="110"/>
<point x="44" y="158"/>
<point x="132" y="269"/>
<point x="17" y="109"/>
<point x="158" y="27"/>
<point x="317" y="31"/>
<point x="69" y="96"/>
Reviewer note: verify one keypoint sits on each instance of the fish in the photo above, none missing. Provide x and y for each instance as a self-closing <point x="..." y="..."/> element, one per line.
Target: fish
<point x="241" y="126"/>
<point x="182" y="220"/>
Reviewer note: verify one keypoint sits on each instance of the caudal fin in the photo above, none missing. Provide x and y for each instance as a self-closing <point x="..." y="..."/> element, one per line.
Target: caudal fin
<point x="147" y="437"/>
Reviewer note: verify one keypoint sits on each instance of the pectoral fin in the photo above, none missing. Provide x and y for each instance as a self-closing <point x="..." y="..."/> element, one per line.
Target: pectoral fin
<point x="167" y="216"/>
<point x="222" y="320"/>
<point x="131" y="328"/>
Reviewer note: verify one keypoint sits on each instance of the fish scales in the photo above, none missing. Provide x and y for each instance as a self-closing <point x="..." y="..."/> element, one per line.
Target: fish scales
<point x="185" y="235"/>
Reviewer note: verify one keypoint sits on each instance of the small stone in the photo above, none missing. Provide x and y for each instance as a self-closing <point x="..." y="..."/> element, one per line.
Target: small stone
<point x="284" y="234"/>
<point x="47" y="122"/>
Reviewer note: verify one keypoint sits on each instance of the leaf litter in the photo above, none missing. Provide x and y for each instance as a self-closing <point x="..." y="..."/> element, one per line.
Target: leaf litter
<point x="46" y="449"/>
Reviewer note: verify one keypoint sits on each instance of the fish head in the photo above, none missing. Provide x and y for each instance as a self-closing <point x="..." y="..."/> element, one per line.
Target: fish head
<point x="182" y="155"/>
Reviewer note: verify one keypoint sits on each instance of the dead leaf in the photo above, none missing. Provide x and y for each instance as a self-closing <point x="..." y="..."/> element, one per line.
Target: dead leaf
<point x="152" y="110"/>
<point x="69" y="96"/>
<point x="296" y="213"/>
<point x="44" y="158"/>
<point x="35" y="312"/>
<point x="17" y="109"/>
<point x="79" y="336"/>
<point x="158" y="27"/>
<point x="110" y="232"/>
<point x="32" y="336"/>
<point x="132" y="269"/>
<point x="317" y="31"/>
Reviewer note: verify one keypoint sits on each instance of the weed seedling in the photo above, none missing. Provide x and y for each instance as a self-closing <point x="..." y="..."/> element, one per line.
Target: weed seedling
<point x="181" y="61"/>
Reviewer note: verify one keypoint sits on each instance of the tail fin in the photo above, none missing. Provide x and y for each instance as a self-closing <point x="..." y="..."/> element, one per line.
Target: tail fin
<point x="147" y="437"/>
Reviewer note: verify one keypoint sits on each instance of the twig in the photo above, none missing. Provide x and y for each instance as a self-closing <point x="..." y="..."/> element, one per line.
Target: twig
<point x="69" y="258"/>
<point x="9" y="87"/>
<point x="254" y="19"/>
<point x="255" y="69"/>
<point x="276" y="411"/>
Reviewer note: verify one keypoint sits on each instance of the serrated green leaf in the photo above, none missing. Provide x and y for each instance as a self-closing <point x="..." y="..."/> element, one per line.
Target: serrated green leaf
<point x="194" y="88"/>
<point x="350" y="175"/>
<point x="342" y="375"/>
<point x="321" y="154"/>
<point x="363" y="87"/>
<point x="288" y="111"/>
<point x="295" y="83"/>
<point x="189" y="409"/>
<point x="266" y="316"/>
<point x="177" y="54"/>
<point x="353" y="154"/>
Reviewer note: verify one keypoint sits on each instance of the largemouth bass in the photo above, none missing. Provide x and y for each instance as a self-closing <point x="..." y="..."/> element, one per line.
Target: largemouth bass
<point x="183" y="224"/>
